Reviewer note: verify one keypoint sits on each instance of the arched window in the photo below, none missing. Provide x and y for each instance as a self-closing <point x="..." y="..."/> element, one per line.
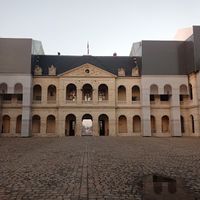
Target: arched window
<point x="190" y="91"/>
<point x="122" y="124"/>
<point x="192" y="123"/>
<point x="51" y="93"/>
<point x="153" y="124"/>
<point x="165" y="124"/>
<point x="6" y="124"/>
<point x="87" y="92"/>
<point x="71" y="92"/>
<point x="103" y="125"/>
<point x="153" y="89"/>
<point x="37" y="93"/>
<point x="121" y="93"/>
<point x="182" y="125"/>
<point x="183" y="90"/>
<point x="167" y="89"/>
<point x="51" y="124"/>
<point x="3" y="88"/>
<point x="19" y="124"/>
<point x="136" y="124"/>
<point x="36" y="124"/>
<point x="103" y="92"/>
<point x="135" y="93"/>
<point x="18" y="88"/>
<point x="70" y="125"/>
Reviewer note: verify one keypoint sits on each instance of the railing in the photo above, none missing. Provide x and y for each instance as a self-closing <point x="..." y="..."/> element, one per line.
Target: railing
<point x="73" y="101"/>
<point x="103" y="101"/>
<point x="87" y="101"/>
<point x="36" y="101"/>
<point x="122" y="102"/>
<point x="51" y="101"/>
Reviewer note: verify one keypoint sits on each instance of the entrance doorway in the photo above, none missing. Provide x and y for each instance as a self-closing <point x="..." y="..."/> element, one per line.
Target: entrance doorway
<point x="87" y="128"/>
<point x="103" y="125"/>
<point x="70" y="125"/>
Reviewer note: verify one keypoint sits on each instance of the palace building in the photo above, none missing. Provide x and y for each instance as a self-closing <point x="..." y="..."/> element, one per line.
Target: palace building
<point x="155" y="91"/>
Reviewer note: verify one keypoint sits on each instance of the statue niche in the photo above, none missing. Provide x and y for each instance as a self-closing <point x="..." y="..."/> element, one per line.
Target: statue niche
<point x="37" y="70"/>
<point x="52" y="70"/>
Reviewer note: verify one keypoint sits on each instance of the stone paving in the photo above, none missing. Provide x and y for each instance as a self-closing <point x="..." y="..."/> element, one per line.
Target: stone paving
<point x="93" y="167"/>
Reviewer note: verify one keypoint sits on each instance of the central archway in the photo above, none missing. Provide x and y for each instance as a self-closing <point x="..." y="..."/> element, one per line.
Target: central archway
<point x="103" y="125"/>
<point x="87" y="125"/>
<point x="70" y="125"/>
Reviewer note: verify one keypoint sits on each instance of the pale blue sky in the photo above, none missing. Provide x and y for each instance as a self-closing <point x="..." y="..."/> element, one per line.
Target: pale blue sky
<point x="109" y="25"/>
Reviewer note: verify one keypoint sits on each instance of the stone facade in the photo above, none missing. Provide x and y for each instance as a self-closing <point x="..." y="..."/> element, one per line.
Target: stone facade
<point x="55" y="105"/>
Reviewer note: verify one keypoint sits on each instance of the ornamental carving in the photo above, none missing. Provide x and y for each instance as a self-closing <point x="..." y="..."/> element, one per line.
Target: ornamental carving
<point x="135" y="71"/>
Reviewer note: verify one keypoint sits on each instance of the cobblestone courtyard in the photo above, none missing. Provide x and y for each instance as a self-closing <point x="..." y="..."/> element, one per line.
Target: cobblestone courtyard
<point x="93" y="167"/>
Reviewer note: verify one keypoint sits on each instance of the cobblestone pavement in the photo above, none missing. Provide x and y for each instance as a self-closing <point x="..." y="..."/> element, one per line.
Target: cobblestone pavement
<point x="93" y="167"/>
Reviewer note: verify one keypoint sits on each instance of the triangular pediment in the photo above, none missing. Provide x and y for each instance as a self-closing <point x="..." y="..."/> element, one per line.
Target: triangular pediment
<point x="87" y="70"/>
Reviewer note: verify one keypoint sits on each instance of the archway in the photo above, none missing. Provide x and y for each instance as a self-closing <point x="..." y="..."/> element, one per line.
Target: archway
<point x="121" y="93"/>
<point x="71" y="92"/>
<point x="70" y="125"/>
<point x="6" y="124"/>
<point x="3" y="88"/>
<point x="136" y="124"/>
<point x="192" y="123"/>
<point x="122" y="124"/>
<point x="103" y="92"/>
<point x="135" y="93"/>
<point x="87" y="125"/>
<point x="87" y="92"/>
<point x="37" y="93"/>
<point x="165" y="124"/>
<point x="36" y="124"/>
<point x="103" y="125"/>
<point x="153" y="124"/>
<point x="51" y="124"/>
<point x="18" y="88"/>
<point x="19" y="124"/>
<point x="51" y="93"/>
<point x="182" y="125"/>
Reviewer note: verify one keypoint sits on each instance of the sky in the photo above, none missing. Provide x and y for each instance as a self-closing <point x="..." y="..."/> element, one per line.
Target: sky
<point x="110" y="26"/>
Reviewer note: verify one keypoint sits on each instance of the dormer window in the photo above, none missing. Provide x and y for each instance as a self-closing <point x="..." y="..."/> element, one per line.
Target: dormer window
<point x="37" y="70"/>
<point x="121" y="71"/>
<point x="52" y="71"/>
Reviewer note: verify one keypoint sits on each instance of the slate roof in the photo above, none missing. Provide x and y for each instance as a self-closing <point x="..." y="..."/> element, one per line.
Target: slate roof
<point x="65" y="63"/>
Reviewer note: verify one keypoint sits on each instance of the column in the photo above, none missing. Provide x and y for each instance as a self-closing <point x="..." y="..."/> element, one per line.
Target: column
<point x="146" y="120"/>
<point x="12" y="124"/>
<point x="129" y="95"/>
<point x="79" y="95"/>
<point x="60" y="124"/>
<point x="95" y="95"/>
<point x="1" y="120"/>
<point x="26" y="108"/>
<point x="95" y="126"/>
<point x="78" y="126"/>
<point x="43" y="125"/>
<point x="175" y="113"/>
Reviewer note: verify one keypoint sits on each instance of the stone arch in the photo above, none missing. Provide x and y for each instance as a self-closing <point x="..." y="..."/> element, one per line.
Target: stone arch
<point x="182" y="125"/>
<point x="87" y="92"/>
<point x="136" y="124"/>
<point x="19" y="124"/>
<point x="103" y="92"/>
<point x="165" y="124"/>
<point x="135" y="93"/>
<point x="190" y="91"/>
<point x="6" y="124"/>
<point x="121" y="93"/>
<point x="183" y="89"/>
<point x="103" y="125"/>
<point x="37" y="93"/>
<point x="153" y="89"/>
<point x="18" y="89"/>
<point x="71" y="92"/>
<point x="192" y="123"/>
<point x="51" y="93"/>
<point x="122" y="124"/>
<point x="36" y="122"/>
<point x="3" y="88"/>
<point x="168" y="89"/>
<point x="153" y="124"/>
<point x="70" y="125"/>
<point x="51" y="124"/>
